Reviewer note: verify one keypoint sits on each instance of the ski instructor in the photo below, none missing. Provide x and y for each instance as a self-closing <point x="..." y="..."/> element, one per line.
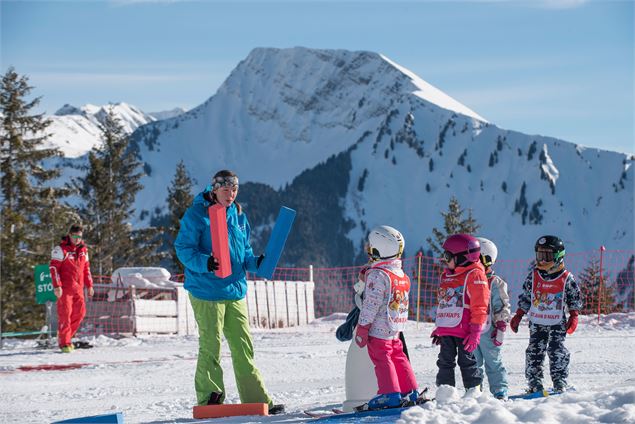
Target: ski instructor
<point x="219" y="303"/>
<point x="70" y="273"/>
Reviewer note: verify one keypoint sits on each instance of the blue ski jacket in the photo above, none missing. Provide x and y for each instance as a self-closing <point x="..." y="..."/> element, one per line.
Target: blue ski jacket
<point x="193" y="247"/>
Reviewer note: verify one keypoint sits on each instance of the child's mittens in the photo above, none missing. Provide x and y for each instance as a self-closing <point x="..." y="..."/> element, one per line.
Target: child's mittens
<point x="361" y="336"/>
<point x="471" y="341"/>
<point x="436" y="339"/>
<point x="515" y="322"/>
<point x="572" y="322"/>
<point x="498" y="334"/>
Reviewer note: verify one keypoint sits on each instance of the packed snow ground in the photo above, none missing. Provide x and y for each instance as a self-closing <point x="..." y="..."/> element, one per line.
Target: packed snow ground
<point x="150" y="379"/>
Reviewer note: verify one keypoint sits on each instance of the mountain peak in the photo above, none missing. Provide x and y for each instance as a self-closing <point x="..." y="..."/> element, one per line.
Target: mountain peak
<point x="68" y="110"/>
<point x="429" y="93"/>
<point x="301" y="67"/>
<point x="76" y="130"/>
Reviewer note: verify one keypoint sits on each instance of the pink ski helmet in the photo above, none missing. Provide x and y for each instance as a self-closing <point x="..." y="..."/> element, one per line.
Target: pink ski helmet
<point x="464" y="247"/>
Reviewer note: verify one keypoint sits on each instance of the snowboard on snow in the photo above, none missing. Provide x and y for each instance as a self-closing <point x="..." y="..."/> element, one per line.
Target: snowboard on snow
<point x="48" y="344"/>
<point x="82" y="345"/>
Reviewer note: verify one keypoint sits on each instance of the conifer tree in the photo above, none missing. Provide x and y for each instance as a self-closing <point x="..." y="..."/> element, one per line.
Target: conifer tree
<point x="31" y="211"/>
<point x="453" y="223"/>
<point x="108" y="190"/>
<point x="593" y="292"/>
<point x="179" y="199"/>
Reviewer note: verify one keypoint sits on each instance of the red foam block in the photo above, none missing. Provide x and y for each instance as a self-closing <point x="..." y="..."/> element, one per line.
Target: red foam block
<point x="230" y="410"/>
<point x="220" y="240"/>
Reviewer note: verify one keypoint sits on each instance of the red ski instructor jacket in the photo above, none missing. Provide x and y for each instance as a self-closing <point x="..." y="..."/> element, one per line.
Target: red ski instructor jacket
<point x="70" y="268"/>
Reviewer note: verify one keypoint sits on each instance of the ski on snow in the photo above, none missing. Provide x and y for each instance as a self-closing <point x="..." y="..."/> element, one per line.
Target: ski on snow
<point x="539" y="394"/>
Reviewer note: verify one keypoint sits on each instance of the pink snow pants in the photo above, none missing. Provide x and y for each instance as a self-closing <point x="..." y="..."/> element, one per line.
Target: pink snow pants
<point x="392" y="368"/>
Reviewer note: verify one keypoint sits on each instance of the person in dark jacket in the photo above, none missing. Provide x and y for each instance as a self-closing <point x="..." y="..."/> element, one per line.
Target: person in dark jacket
<point x="70" y="273"/>
<point x="219" y="303"/>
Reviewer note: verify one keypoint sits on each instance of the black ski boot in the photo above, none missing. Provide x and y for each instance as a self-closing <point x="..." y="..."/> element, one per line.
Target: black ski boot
<point x="216" y="398"/>
<point x="276" y="409"/>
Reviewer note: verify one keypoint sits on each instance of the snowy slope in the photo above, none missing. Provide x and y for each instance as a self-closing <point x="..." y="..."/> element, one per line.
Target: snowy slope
<point x="150" y="379"/>
<point x="518" y="186"/>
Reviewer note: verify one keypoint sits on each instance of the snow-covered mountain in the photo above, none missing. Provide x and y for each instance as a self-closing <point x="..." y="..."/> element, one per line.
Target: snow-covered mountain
<point x="75" y="130"/>
<point x="352" y="140"/>
<point x="167" y="114"/>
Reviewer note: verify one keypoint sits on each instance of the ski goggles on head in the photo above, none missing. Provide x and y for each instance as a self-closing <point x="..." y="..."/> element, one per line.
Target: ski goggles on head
<point x="219" y="182"/>
<point x="77" y="236"/>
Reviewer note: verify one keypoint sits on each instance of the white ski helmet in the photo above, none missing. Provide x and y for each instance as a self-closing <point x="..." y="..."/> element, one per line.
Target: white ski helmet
<point x="489" y="251"/>
<point x="385" y="242"/>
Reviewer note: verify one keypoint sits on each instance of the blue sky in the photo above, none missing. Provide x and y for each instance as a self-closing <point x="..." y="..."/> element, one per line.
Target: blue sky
<point x="563" y="68"/>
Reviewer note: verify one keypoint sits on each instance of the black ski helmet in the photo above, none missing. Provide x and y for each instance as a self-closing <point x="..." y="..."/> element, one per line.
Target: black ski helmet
<point x="555" y="244"/>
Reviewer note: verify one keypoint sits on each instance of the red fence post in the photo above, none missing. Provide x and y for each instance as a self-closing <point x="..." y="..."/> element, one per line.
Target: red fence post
<point x="602" y="249"/>
<point x="419" y="256"/>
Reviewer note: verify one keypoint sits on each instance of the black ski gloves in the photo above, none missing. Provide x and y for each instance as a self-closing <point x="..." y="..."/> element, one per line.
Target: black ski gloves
<point x="212" y="264"/>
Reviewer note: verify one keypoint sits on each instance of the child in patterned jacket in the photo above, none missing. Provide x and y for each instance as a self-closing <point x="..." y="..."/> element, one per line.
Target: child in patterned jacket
<point x="544" y="290"/>
<point x="383" y="316"/>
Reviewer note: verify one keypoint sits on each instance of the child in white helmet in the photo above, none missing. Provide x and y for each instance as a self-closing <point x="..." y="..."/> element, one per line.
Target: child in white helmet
<point x="488" y="352"/>
<point x="383" y="316"/>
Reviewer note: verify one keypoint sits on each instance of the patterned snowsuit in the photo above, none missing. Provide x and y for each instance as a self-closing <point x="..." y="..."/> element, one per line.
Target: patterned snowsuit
<point x="545" y="338"/>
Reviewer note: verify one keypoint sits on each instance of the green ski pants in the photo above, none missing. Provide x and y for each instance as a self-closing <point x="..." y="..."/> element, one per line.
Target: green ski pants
<point x="229" y="317"/>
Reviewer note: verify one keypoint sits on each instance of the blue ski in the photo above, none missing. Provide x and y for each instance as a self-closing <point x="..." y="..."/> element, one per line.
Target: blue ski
<point x="537" y="395"/>
<point x="371" y="415"/>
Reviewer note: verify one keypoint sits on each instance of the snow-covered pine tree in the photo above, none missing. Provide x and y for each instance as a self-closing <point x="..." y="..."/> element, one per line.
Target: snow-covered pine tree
<point x="108" y="191"/>
<point x="594" y="293"/>
<point x="32" y="216"/>
<point x="179" y="199"/>
<point x="453" y="223"/>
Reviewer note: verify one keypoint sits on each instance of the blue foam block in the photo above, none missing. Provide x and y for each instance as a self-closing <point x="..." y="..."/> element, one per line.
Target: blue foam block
<point x="276" y="242"/>
<point x="116" y="418"/>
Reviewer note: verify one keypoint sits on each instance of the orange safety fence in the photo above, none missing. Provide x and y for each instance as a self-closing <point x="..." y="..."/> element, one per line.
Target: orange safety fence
<point x="606" y="280"/>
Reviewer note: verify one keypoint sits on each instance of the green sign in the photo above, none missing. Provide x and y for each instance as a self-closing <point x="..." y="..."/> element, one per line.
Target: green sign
<point x="43" y="285"/>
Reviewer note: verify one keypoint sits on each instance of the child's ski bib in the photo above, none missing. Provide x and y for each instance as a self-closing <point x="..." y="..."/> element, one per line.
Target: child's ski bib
<point x="451" y="298"/>
<point x="547" y="305"/>
<point x="397" y="308"/>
